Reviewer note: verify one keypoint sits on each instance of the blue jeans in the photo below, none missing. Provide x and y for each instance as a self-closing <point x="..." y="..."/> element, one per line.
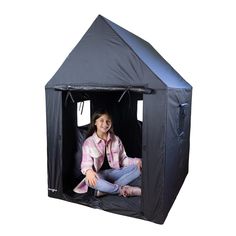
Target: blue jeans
<point x="111" y="180"/>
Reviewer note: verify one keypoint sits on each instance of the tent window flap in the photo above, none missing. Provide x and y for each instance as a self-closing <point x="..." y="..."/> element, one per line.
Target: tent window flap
<point x="104" y="88"/>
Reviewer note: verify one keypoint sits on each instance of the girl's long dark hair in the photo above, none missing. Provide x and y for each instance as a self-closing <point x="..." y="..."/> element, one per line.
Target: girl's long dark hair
<point x="95" y="116"/>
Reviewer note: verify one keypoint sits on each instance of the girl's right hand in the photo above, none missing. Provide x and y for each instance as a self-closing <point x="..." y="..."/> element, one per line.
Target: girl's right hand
<point x="91" y="177"/>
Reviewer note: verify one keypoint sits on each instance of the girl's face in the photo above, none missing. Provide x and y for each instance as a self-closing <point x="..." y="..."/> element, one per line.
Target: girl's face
<point x="103" y="123"/>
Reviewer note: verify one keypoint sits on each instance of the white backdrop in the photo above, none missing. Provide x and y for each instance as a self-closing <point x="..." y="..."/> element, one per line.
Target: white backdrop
<point x="196" y="37"/>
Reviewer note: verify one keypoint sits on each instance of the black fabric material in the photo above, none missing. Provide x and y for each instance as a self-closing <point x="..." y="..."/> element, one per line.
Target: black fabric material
<point x="114" y="69"/>
<point x="154" y="131"/>
<point x="103" y="58"/>
<point x="177" y="153"/>
<point x="54" y="142"/>
<point x="137" y="89"/>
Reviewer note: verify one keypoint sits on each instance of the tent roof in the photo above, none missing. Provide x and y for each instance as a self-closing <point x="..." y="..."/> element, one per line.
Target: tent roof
<point x="109" y="55"/>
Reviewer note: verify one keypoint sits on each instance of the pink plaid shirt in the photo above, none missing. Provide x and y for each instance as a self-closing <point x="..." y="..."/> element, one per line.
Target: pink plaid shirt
<point x="94" y="152"/>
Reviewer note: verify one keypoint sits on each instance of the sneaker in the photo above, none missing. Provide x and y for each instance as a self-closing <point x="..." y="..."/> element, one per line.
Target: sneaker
<point x="129" y="191"/>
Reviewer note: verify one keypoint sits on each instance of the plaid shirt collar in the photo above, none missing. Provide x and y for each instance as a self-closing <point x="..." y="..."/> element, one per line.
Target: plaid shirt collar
<point x="98" y="140"/>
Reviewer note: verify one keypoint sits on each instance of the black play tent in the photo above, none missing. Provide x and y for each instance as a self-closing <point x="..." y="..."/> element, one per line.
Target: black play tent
<point x="114" y="69"/>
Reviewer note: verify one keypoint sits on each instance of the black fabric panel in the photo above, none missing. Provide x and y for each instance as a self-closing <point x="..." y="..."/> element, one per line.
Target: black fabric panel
<point x="177" y="138"/>
<point x="157" y="64"/>
<point x="54" y="142"/>
<point x="69" y="121"/>
<point x="102" y="58"/>
<point x="154" y="127"/>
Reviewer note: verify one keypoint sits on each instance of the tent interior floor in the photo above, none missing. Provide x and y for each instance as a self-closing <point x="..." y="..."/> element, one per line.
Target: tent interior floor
<point x="128" y="206"/>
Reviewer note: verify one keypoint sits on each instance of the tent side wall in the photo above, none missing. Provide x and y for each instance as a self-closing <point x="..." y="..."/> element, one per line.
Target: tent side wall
<point x="69" y="127"/>
<point x="54" y="142"/>
<point x="177" y="143"/>
<point x="154" y="129"/>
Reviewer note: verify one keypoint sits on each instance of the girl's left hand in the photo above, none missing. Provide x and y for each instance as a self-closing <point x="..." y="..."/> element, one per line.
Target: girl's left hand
<point x="139" y="164"/>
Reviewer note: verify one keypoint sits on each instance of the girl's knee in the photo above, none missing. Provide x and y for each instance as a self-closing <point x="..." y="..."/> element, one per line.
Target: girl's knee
<point x="135" y="169"/>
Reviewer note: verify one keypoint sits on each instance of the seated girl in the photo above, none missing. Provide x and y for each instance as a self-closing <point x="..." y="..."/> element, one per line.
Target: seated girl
<point x="106" y="166"/>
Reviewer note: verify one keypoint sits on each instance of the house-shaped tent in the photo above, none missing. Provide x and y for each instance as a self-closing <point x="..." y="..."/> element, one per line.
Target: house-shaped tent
<point x="114" y="69"/>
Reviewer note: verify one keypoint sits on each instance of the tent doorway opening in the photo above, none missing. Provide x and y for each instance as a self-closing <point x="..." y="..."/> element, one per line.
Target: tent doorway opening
<point x="125" y="109"/>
